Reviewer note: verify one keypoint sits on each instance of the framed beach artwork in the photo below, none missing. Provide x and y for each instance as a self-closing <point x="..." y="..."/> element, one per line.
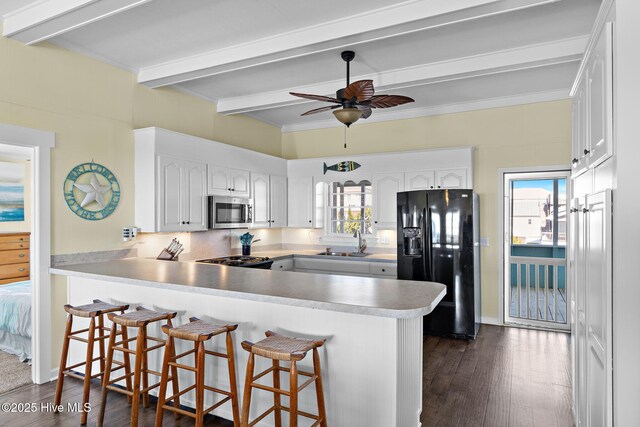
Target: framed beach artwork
<point x="11" y="192"/>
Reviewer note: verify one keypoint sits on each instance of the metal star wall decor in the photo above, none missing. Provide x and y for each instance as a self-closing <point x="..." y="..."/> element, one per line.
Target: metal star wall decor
<point x="92" y="192"/>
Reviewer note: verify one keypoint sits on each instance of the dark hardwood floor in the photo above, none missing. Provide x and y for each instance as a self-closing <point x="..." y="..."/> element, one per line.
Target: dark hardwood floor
<point x="506" y="377"/>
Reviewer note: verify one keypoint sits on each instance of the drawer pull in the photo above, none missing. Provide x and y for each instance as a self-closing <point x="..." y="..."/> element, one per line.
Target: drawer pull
<point x="21" y="255"/>
<point x="21" y="269"/>
<point x="383" y="270"/>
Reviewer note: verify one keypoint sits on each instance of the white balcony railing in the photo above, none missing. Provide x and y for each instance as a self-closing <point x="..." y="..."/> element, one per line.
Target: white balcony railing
<point x="538" y="290"/>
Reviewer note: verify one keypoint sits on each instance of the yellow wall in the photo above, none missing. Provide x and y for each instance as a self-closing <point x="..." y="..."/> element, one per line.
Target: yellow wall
<point x="20" y="226"/>
<point x="93" y="108"/>
<point x="526" y="135"/>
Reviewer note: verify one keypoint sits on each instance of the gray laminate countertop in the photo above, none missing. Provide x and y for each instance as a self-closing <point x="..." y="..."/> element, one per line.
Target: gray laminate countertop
<point x="359" y="295"/>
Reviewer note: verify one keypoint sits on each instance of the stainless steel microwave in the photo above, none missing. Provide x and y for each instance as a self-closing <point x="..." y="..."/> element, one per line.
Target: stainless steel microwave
<point x="230" y="212"/>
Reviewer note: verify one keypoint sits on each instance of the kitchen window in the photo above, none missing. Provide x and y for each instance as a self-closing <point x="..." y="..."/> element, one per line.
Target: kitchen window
<point x="349" y="208"/>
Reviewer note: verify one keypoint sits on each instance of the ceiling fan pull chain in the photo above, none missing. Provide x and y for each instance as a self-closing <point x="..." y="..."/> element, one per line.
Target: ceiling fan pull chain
<point x="345" y="135"/>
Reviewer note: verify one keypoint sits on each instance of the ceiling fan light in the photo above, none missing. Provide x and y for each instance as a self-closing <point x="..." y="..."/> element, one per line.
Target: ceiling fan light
<point x="347" y="116"/>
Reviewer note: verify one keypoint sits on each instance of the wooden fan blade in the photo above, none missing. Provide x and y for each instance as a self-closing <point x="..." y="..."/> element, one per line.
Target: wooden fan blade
<point x="386" y="101"/>
<point x="315" y="97"/>
<point x="321" y="109"/>
<point x="362" y="90"/>
<point x="366" y="111"/>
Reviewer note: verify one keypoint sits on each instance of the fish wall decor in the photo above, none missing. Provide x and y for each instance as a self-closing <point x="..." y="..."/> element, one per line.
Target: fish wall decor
<point x="347" y="166"/>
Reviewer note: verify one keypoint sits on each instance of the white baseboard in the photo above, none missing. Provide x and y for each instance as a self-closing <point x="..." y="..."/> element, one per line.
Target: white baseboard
<point x="491" y="321"/>
<point x="54" y="374"/>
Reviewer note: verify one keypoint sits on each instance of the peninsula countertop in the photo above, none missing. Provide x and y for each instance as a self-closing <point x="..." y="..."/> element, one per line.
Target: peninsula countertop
<point x="359" y="295"/>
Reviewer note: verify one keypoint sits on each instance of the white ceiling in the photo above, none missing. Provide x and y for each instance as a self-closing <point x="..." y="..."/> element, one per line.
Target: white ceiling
<point x="246" y="55"/>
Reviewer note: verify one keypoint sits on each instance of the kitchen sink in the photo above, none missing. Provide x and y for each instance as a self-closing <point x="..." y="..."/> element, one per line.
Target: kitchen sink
<point x="353" y="254"/>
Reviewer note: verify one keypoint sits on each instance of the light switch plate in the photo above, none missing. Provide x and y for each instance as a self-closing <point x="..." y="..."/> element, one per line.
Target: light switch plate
<point x="484" y="242"/>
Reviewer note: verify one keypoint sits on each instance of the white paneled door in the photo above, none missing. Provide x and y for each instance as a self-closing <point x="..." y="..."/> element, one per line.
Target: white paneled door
<point x="598" y="309"/>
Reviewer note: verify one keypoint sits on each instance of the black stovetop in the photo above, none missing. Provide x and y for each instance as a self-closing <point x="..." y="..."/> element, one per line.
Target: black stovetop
<point x="240" y="261"/>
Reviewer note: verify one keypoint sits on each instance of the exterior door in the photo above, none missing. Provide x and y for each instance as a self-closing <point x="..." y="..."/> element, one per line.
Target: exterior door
<point x="536" y="291"/>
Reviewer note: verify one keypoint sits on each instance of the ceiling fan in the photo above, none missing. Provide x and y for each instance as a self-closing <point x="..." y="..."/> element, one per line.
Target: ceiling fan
<point x="356" y="99"/>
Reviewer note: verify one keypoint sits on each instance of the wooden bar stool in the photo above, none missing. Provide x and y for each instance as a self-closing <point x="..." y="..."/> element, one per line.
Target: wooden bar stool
<point x="279" y="347"/>
<point x="198" y="332"/>
<point x="92" y="311"/>
<point x="136" y="319"/>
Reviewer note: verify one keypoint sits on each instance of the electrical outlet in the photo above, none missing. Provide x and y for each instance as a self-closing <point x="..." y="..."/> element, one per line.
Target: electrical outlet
<point x="484" y="242"/>
<point x="384" y="240"/>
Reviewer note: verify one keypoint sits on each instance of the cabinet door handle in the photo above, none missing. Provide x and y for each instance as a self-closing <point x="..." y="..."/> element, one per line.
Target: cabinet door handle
<point x="375" y="222"/>
<point x="572" y="210"/>
<point x="183" y="223"/>
<point x="383" y="270"/>
<point x="585" y="210"/>
<point x="431" y="186"/>
<point x="21" y="269"/>
<point x="233" y="189"/>
<point x="586" y="151"/>
<point x="229" y="189"/>
<point x="281" y="266"/>
<point x="574" y="161"/>
<point x="21" y="255"/>
<point x="439" y="186"/>
<point x="309" y="221"/>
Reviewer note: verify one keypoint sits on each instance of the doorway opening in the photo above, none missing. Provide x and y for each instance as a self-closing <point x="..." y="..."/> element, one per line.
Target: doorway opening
<point x="536" y="291"/>
<point x="39" y="144"/>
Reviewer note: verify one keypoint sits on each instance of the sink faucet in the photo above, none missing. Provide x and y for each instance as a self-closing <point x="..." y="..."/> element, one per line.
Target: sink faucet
<point x="362" y="243"/>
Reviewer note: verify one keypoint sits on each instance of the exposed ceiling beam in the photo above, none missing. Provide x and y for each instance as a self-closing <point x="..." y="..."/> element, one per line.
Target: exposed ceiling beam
<point x="378" y="24"/>
<point x="490" y="63"/>
<point x="49" y="18"/>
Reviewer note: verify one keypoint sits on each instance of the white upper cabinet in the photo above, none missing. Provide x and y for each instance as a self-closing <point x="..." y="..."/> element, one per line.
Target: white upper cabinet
<point x="260" y="190"/>
<point x="593" y="107"/>
<point x="420" y="180"/>
<point x="451" y="178"/>
<point x="181" y="195"/>
<point x="599" y="92"/>
<point x="239" y="183"/>
<point x="278" y="201"/>
<point x="385" y="187"/>
<point x="301" y="195"/>
<point x="224" y="181"/>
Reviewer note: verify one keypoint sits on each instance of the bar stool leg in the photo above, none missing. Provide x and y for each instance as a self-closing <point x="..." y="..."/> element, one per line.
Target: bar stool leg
<point x="276" y="396"/>
<point x="319" y="393"/>
<point x="126" y="359"/>
<point x="106" y="376"/>
<point x="200" y="384"/>
<point x="145" y="373"/>
<point x="162" y="393"/>
<point x="101" y="336"/>
<point x="246" y="398"/>
<point x="135" y="403"/>
<point x="293" y="396"/>
<point x="235" y="407"/>
<point x="87" y="371"/>
<point x="174" y="374"/>
<point x="63" y="361"/>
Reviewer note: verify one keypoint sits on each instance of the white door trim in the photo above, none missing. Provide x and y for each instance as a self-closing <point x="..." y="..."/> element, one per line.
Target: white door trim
<point x="41" y="142"/>
<point x="501" y="217"/>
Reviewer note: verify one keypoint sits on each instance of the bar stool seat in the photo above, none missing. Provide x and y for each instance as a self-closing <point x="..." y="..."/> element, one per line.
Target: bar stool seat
<point x="94" y="310"/>
<point x="140" y="319"/>
<point x="197" y="331"/>
<point x="280" y="347"/>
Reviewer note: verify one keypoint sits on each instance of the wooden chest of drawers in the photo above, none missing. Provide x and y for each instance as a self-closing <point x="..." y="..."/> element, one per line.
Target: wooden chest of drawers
<point x="14" y="257"/>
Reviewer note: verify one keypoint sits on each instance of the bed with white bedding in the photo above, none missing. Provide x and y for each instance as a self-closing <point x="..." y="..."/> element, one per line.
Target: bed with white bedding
<point x="15" y="319"/>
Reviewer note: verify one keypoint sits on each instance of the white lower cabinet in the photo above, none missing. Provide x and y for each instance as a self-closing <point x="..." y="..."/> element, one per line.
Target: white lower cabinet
<point x="283" y="264"/>
<point x="386" y="270"/>
<point x="592" y="277"/>
<point x="180" y="193"/>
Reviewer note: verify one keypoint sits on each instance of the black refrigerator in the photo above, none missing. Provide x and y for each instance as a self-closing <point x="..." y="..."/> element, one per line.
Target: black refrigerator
<point x="438" y="241"/>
